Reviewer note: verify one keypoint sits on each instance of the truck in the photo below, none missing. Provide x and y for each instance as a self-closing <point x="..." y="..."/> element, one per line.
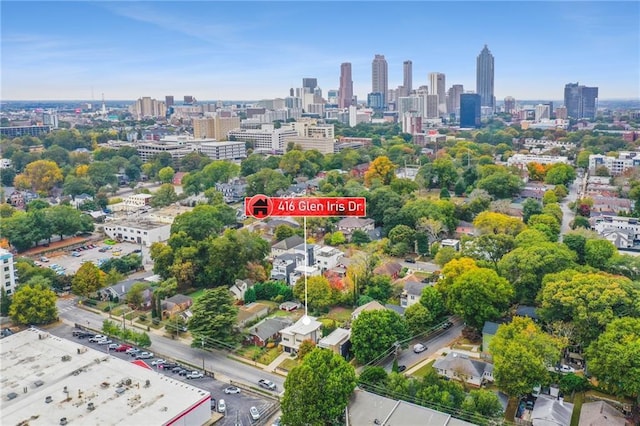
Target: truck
<point x="267" y="384"/>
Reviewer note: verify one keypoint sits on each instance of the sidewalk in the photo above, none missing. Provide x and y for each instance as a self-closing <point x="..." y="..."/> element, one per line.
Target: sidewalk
<point x="276" y="362"/>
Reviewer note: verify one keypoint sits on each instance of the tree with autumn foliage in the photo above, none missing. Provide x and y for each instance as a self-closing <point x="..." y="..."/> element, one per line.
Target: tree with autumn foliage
<point x="40" y="176"/>
<point x="381" y="169"/>
<point x="537" y="171"/>
<point x="87" y="280"/>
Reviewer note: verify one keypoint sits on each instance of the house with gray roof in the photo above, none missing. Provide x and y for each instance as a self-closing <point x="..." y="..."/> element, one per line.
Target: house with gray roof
<point x="286" y="246"/>
<point x="350" y="224"/>
<point x="460" y="366"/>
<point x="338" y="341"/>
<point x="268" y="328"/>
<point x="600" y="413"/>
<point x="551" y="411"/>
<point x="284" y="266"/>
<point x="411" y="293"/>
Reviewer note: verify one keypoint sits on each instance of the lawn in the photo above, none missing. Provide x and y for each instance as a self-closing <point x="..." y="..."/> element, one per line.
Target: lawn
<point x="577" y="407"/>
<point x="288" y="364"/>
<point x="340" y="315"/>
<point x="422" y="371"/>
<point x="196" y="295"/>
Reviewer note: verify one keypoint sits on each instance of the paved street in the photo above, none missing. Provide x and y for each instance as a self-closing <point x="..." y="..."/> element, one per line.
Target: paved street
<point x="567" y="214"/>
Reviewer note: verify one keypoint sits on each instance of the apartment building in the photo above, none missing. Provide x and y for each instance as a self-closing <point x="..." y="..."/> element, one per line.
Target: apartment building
<point x="8" y="274"/>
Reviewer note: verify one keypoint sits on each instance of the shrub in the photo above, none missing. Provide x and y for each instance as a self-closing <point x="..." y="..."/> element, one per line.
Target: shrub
<point x="142" y="317"/>
<point x="156" y="321"/>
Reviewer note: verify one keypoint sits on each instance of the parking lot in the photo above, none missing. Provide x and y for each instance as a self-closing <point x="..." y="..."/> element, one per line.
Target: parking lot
<point x="99" y="253"/>
<point x="237" y="405"/>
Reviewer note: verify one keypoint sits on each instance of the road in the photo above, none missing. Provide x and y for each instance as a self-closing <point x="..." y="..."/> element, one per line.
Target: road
<point x="568" y="215"/>
<point x="420" y="266"/>
<point x="224" y="368"/>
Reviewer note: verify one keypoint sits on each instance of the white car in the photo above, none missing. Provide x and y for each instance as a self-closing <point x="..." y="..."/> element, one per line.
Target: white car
<point x="232" y="389"/>
<point x="255" y="414"/>
<point x="158" y="361"/>
<point x="567" y="369"/>
<point x="97" y="338"/>
<point x="104" y="341"/>
<point x="144" y="355"/>
<point x="113" y="346"/>
<point x="419" y="347"/>
<point x="222" y="407"/>
<point x="195" y="375"/>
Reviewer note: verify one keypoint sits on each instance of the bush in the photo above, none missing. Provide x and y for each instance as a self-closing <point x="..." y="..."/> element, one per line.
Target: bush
<point x="143" y="317"/>
<point x="106" y="308"/>
<point x="91" y="302"/>
<point x="156" y="321"/>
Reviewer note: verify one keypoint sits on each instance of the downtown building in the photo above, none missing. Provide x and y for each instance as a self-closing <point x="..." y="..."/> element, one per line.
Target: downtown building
<point x="485" y="78"/>
<point x="345" y="92"/>
<point x="470" y="107"/>
<point x="214" y="127"/>
<point x="580" y="101"/>
<point x="379" y="81"/>
<point x="146" y="107"/>
<point x="266" y="139"/>
<point x="437" y="87"/>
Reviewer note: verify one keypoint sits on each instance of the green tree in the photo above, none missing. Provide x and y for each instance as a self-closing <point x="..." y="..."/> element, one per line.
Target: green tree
<point x="375" y="333"/>
<point x="560" y="173"/>
<point x="445" y="255"/>
<point x="305" y="347"/>
<point x="379" y="288"/>
<point x="267" y="182"/>
<point x="164" y="196"/>
<point x="360" y="237"/>
<point x="283" y="232"/>
<point x="597" y="253"/>
<point x="166" y="174"/>
<point x="577" y="243"/>
<point x="483" y="402"/>
<point x="432" y="299"/>
<point x="523" y="347"/>
<point x="87" y="280"/>
<point x="319" y="292"/>
<point x="529" y="208"/>
<point x="135" y="295"/>
<point x="77" y="185"/>
<point x="498" y="223"/>
<point x="480" y="295"/>
<point x="291" y="162"/>
<point x="589" y="300"/>
<point x="318" y="390"/>
<point x="214" y="318"/>
<point x="547" y="224"/>
<point x="5" y="302"/>
<point x="490" y="247"/>
<point x="204" y="221"/>
<point x="65" y="220"/>
<point x="102" y="173"/>
<point x="614" y="357"/>
<point x="501" y="184"/>
<point x="418" y="319"/>
<point x="34" y="303"/>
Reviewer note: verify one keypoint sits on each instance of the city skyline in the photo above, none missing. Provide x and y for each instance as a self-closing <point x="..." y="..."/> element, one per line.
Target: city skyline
<point x="211" y="50"/>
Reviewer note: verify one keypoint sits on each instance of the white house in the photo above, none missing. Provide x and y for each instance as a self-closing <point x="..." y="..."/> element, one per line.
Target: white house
<point x="295" y="334"/>
<point x="460" y="367"/>
<point x="411" y="293"/>
<point x="328" y="257"/>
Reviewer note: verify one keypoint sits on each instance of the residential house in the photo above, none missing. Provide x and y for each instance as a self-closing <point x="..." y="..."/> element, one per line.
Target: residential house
<point x="527" y="311"/>
<point x="600" y="413"/>
<point x="350" y="224"/>
<point x="284" y="266"/>
<point x="620" y="238"/>
<point x="460" y="367"/>
<point x="465" y="228"/>
<point x="175" y="304"/>
<point x="359" y="170"/>
<point x="488" y="331"/>
<point x="306" y="328"/>
<point x="339" y="341"/>
<point x="391" y="269"/>
<point x="366" y="408"/>
<point x="16" y="199"/>
<point x="611" y="205"/>
<point x="177" y="178"/>
<point x="286" y="246"/>
<point x="239" y="288"/>
<point x="411" y="293"/>
<point x="234" y="191"/>
<point x="374" y="305"/>
<point x="268" y="329"/>
<point x="328" y="258"/>
<point x="80" y="199"/>
<point x="448" y="242"/>
<point x="251" y="312"/>
<point x="301" y="270"/>
<point x="551" y="411"/>
<point x="395" y="308"/>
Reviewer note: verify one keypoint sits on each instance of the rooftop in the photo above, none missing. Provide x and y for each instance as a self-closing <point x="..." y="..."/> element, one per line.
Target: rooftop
<point x="36" y="366"/>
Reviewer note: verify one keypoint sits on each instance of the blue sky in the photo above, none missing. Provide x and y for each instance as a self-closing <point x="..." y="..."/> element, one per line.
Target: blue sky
<point x="254" y="50"/>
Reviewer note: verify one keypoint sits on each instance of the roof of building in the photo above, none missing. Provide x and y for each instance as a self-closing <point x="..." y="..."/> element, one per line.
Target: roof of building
<point x="120" y="391"/>
<point x="395" y="308"/>
<point x="415" y="287"/>
<point x="252" y="309"/>
<point x="301" y="328"/>
<point x="366" y="408"/>
<point x="288" y="243"/>
<point x="269" y="327"/>
<point x="461" y="363"/>
<point x="337" y="336"/>
<point x="600" y="413"/>
<point x="490" y="328"/>
<point x="389" y="268"/>
<point x="527" y="311"/>
<point x="179" y="299"/>
<point x="549" y="411"/>
<point x="354" y="222"/>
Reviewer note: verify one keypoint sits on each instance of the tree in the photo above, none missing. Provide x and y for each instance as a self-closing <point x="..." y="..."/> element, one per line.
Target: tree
<point x="598" y="252"/>
<point x="65" y="220"/>
<point x="214" y="318"/>
<point x="166" y="174"/>
<point x="40" y="176"/>
<point x="267" y="182"/>
<point x="164" y="196"/>
<point x="483" y="402"/>
<point x="589" y="300"/>
<point x="490" y="247"/>
<point x="102" y="173"/>
<point x="526" y="266"/>
<point x="480" y="295"/>
<point x="614" y="357"/>
<point x="445" y="255"/>
<point x="547" y="224"/>
<point x="87" y="280"/>
<point x="34" y="303"/>
<point x="418" y="319"/>
<point x="305" y="347"/>
<point x="319" y="293"/>
<point x="375" y="333"/>
<point x="204" y="221"/>
<point x="432" y="299"/>
<point x="318" y="390"/>
<point x="560" y="173"/>
<point x="523" y="347"/>
<point x="501" y="184"/>
<point x="5" y="302"/>
<point x="451" y="272"/>
<point x="291" y="162"/>
<point x="78" y="185"/>
<point x="360" y="237"/>
<point x="283" y="232"/>
<point x="379" y="288"/>
<point x="529" y="208"/>
<point x="498" y="223"/>
<point x="381" y="169"/>
<point x="135" y="295"/>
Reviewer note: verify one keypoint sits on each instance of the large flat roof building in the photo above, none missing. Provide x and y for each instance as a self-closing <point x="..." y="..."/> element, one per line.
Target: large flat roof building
<point x="47" y="380"/>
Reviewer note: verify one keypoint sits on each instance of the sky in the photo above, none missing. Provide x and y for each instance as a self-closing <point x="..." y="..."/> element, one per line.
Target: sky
<point x="242" y="50"/>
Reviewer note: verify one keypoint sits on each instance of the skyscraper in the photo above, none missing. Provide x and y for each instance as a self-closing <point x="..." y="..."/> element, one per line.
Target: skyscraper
<point x="437" y="86"/>
<point x="453" y="99"/>
<point x="470" y="110"/>
<point x="168" y="101"/>
<point x="380" y="77"/>
<point x="407" y="73"/>
<point x="581" y="101"/>
<point x="484" y="77"/>
<point x="309" y="84"/>
<point x="346" y="86"/>
<point x="509" y="104"/>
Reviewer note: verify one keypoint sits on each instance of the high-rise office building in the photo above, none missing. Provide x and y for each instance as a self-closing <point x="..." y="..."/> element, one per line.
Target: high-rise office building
<point x="346" y="86"/>
<point x="484" y="77"/>
<point x="509" y="104"/>
<point x="309" y="84"/>
<point x="437" y="85"/>
<point x="470" y="104"/>
<point x="407" y="74"/>
<point x="453" y="99"/>
<point x="189" y="100"/>
<point x="581" y="101"/>
<point x="375" y="100"/>
<point x="380" y="77"/>
<point x="168" y="101"/>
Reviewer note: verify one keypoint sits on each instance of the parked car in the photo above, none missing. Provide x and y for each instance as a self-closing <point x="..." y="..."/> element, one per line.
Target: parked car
<point x="177" y="369"/>
<point x="255" y="414"/>
<point x="168" y="365"/>
<point x="213" y="403"/>
<point x="222" y="407"/>
<point x="419" y="347"/>
<point x="447" y="324"/>
<point x="97" y="338"/>
<point x="231" y="390"/>
<point x="144" y="355"/>
<point x="195" y="375"/>
<point x="84" y="335"/>
<point x="44" y="259"/>
<point x="131" y="350"/>
<point x="268" y="384"/>
<point x="113" y="346"/>
<point x="158" y="362"/>
<point x="183" y="372"/>
<point x="409" y="260"/>
<point x="566" y="369"/>
<point x="104" y="342"/>
<point x="75" y="254"/>
<point x="401" y="368"/>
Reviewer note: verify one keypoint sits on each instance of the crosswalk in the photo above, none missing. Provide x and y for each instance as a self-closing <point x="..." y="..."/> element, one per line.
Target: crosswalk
<point x="66" y="305"/>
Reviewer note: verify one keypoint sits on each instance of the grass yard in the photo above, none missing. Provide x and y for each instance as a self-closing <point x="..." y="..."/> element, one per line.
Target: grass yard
<point x="422" y="371"/>
<point x="340" y="315"/>
<point x="196" y="295"/>
<point x="577" y="407"/>
<point x="288" y="364"/>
